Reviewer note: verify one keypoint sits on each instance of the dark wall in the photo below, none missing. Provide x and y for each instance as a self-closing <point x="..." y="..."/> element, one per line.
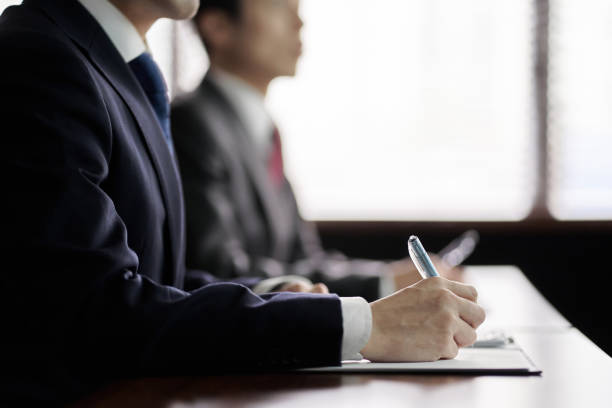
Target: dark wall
<point x="568" y="262"/>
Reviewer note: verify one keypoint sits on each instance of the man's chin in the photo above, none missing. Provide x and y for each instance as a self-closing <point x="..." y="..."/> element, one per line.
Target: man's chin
<point x="290" y="70"/>
<point x="285" y="74"/>
<point x="191" y="8"/>
<point x="179" y="9"/>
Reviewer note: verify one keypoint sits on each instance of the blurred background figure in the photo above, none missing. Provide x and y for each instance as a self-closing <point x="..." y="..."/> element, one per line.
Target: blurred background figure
<point x="242" y="214"/>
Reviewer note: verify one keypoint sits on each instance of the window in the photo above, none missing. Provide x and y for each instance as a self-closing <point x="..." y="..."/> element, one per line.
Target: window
<point x="412" y="110"/>
<point x="580" y="117"/>
<point x="424" y="109"/>
<point x="5" y="3"/>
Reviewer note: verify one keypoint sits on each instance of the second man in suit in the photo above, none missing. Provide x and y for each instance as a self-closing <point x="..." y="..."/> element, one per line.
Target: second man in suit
<point x="242" y="215"/>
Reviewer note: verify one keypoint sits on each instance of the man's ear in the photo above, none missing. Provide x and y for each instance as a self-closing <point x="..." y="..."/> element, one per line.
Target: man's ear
<point x="216" y="28"/>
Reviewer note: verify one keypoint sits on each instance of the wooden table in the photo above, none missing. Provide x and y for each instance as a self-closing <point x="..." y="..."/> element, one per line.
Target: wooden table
<point x="576" y="373"/>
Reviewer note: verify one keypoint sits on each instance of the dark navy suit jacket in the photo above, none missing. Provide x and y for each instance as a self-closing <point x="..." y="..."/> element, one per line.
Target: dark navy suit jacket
<point x="94" y="285"/>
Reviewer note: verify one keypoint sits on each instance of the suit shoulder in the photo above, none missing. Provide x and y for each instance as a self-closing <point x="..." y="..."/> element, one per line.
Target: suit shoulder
<point x="27" y="26"/>
<point x="30" y="40"/>
<point x="38" y="68"/>
<point x="35" y="49"/>
<point x="45" y="76"/>
<point x="183" y="104"/>
<point x="203" y="99"/>
<point x="195" y="113"/>
<point x="191" y="127"/>
<point x="31" y="52"/>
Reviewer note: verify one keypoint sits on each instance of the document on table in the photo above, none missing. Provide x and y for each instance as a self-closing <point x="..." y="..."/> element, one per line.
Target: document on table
<point x="499" y="360"/>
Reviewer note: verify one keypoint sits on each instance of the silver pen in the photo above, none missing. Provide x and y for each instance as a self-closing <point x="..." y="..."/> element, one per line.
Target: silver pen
<point x="420" y="258"/>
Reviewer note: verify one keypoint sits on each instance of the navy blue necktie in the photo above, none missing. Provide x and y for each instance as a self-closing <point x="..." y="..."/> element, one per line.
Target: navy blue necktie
<point x="152" y="81"/>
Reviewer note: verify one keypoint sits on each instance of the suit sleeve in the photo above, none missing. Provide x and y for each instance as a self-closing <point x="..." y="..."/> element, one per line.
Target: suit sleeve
<point x="216" y="239"/>
<point x="75" y="307"/>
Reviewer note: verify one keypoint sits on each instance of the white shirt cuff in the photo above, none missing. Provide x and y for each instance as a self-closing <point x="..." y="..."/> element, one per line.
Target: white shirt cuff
<point x="357" y="326"/>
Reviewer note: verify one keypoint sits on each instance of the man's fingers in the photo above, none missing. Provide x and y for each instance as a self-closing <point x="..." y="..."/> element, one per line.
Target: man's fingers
<point x="450" y="351"/>
<point x="304" y="287"/>
<point x="319" y="288"/>
<point x="470" y="312"/>
<point x="295" y="287"/>
<point x="462" y="290"/>
<point x="465" y="335"/>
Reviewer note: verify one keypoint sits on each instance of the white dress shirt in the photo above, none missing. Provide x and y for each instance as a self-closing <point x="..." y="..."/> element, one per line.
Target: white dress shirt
<point x="119" y="29"/>
<point x="356" y="313"/>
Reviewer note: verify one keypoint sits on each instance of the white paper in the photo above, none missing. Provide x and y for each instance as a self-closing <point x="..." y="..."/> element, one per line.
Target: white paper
<point x="469" y="360"/>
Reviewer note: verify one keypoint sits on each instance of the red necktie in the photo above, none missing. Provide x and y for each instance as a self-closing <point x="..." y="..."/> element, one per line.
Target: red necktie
<point x="275" y="160"/>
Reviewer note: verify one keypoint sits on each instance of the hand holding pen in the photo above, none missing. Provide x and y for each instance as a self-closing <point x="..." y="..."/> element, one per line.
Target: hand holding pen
<point x="427" y="321"/>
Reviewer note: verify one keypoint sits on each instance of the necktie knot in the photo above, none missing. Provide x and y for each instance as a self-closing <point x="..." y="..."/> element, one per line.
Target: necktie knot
<point x="152" y="82"/>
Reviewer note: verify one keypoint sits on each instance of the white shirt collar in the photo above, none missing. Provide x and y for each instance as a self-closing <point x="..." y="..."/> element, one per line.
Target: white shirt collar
<point x="250" y="106"/>
<point x="119" y="29"/>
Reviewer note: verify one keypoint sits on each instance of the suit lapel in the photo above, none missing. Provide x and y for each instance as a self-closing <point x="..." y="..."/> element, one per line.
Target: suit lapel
<point x="105" y="57"/>
<point x="244" y="146"/>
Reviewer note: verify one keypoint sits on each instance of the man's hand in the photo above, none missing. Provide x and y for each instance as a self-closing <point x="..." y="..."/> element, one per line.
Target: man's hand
<point x="424" y="322"/>
<point x="406" y="274"/>
<point x="304" y="287"/>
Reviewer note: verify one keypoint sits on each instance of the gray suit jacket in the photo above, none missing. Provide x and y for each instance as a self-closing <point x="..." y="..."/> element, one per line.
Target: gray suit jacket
<point x="238" y="224"/>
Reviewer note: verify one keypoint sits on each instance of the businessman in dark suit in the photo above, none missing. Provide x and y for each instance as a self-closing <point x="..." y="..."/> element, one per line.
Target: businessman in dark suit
<point x="242" y="215"/>
<point x="93" y="275"/>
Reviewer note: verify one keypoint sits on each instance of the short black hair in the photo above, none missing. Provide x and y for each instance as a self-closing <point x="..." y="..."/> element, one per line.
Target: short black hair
<point x="231" y="7"/>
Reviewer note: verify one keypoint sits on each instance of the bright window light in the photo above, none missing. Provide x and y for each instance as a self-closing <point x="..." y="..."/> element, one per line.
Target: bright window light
<point x="581" y="110"/>
<point x="5" y="3"/>
<point x="411" y="110"/>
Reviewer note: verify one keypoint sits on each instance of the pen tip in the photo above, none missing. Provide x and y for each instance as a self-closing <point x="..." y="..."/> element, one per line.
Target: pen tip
<point x="412" y="238"/>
